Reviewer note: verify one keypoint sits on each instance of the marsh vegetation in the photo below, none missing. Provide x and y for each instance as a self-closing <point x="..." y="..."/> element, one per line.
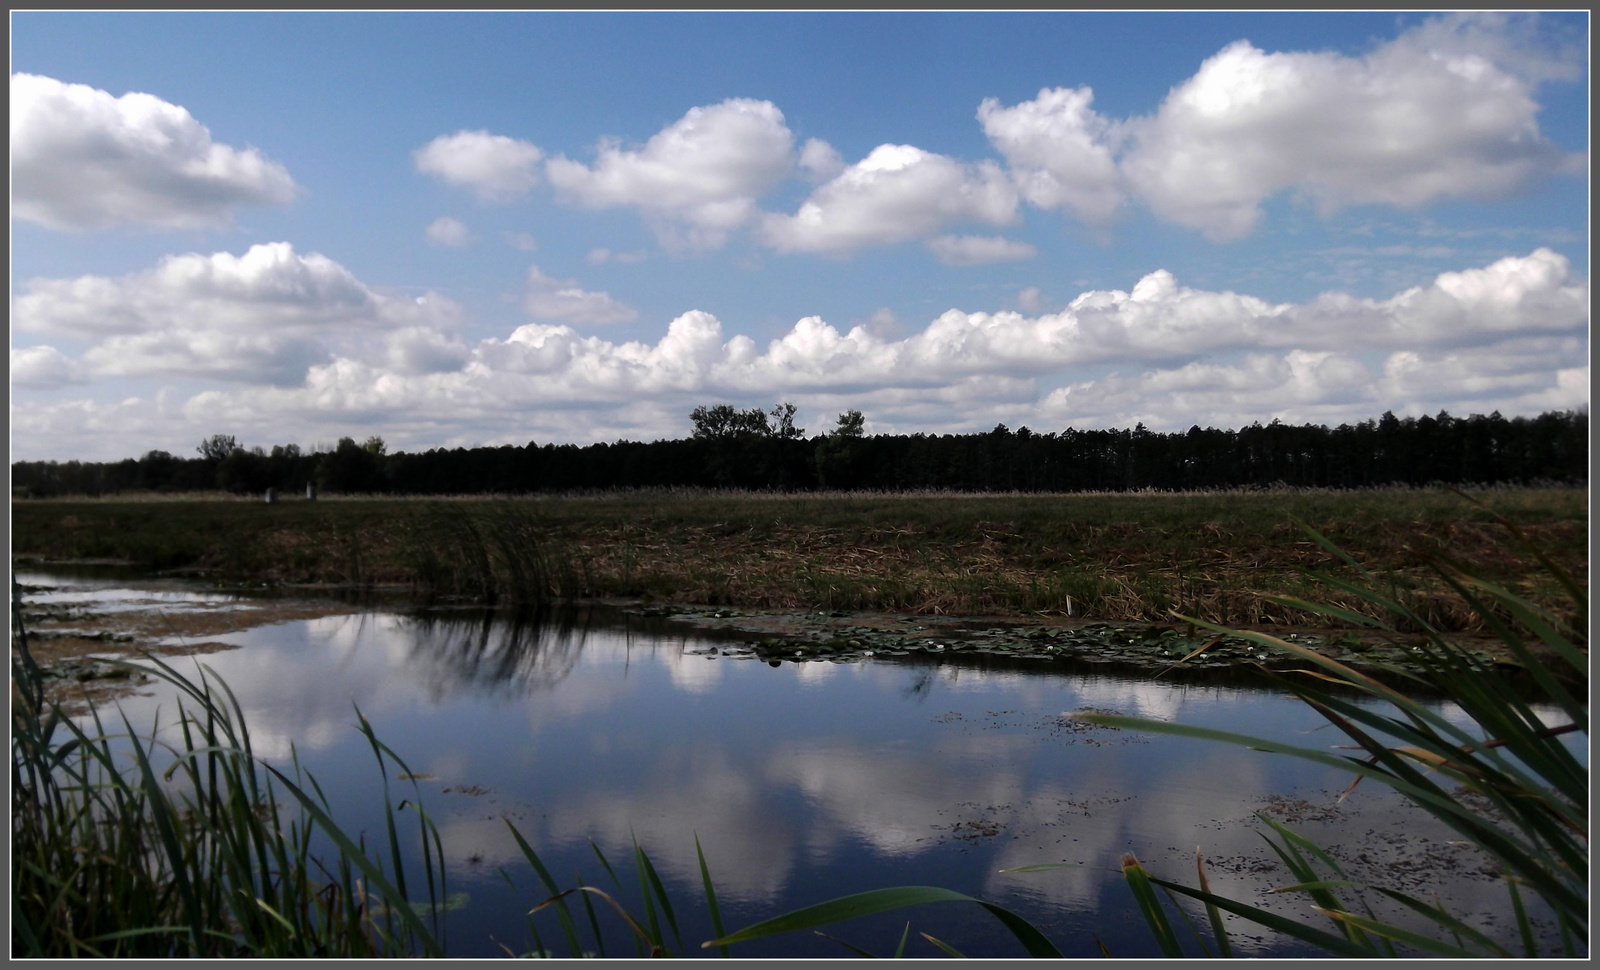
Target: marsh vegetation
<point x="215" y="849"/>
<point x="1113" y="557"/>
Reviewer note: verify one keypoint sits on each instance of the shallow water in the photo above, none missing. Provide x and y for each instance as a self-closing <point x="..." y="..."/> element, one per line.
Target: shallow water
<point x="803" y="781"/>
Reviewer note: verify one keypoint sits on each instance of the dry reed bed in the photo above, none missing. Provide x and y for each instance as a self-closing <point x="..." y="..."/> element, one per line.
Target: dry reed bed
<point x="1095" y="556"/>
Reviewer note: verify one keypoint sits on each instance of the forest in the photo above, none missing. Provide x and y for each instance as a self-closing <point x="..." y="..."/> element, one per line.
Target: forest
<point x="755" y="449"/>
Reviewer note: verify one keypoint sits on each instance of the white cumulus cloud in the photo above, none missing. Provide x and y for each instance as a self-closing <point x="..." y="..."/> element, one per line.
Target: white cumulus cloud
<point x="551" y="299"/>
<point x="43" y="366"/>
<point x="697" y="179"/>
<point x="1423" y="118"/>
<point x="1512" y="336"/>
<point x="1325" y="387"/>
<point x="821" y="160"/>
<point x="265" y="316"/>
<point x="84" y="159"/>
<point x="897" y="192"/>
<point x="445" y="231"/>
<point x="496" y="168"/>
<point x="1059" y="151"/>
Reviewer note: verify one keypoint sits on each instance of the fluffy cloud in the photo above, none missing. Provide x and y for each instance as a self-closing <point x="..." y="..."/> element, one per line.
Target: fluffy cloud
<point x="445" y="231"/>
<point x="425" y="350"/>
<point x="552" y="299"/>
<point x="697" y="179"/>
<point x="1516" y="377"/>
<point x="973" y="250"/>
<point x="43" y="366"/>
<point x="1059" y="152"/>
<point x="820" y="160"/>
<point x="496" y="168"/>
<point x="1444" y="111"/>
<point x="265" y="316"/>
<point x="1431" y="115"/>
<point x="897" y="192"/>
<point x="1511" y="336"/>
<point x="83" y="159"/>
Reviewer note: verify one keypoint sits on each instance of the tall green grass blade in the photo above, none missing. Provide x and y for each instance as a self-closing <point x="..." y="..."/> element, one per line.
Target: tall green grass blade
<point x="638" y="946"/>
<point x="660" y="891"/>
<point x="21" y="927"/>
<point x="883" y="900"/>
<point x="568" y="927"/>
<point x="1338" y="945"/>
<point x="900" y="951"/>
<point x="644" y="890"/>
<point x="1437" y="914"/>
<point x="594" y="921"/>
<point x="1194" y="930"/>
<point x="1289" y="853"/>
<point x="1296" y="839"/>
<point x="373" y="873"/>
<point x="947" y="948"/>
<point x="604" y="864"/>
<point x="1401" y="935"/>
<point x="639" y="932"/>
<point x="1575" y="710"/>
<point x="1524" y="928"/>
<point x="858" y="951"/>
<point x="1219" y="931"/>
<point x="388" y="806"/>
<point x="1150" y="907"/>
<point x="166" y="826"/>
<point x="533" y="931"/>
<point x="711" y="895"/>
<point x="1350" y="617"/>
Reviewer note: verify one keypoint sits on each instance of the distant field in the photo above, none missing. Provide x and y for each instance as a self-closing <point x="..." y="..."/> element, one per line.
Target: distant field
<point x="1098" y="556"/>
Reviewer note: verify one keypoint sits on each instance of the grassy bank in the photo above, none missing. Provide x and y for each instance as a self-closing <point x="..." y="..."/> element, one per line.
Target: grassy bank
<point x="1095" y="556"/>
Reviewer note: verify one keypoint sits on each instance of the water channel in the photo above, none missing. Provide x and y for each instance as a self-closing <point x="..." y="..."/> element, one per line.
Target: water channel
<point x="802" y="780"/>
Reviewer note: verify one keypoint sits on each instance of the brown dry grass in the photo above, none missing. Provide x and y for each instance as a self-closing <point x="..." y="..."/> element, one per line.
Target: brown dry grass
<point x="1117" y="557"/>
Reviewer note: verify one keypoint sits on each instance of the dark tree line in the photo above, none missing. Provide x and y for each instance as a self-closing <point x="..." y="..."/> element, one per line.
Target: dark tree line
<point x="755" y="449"/>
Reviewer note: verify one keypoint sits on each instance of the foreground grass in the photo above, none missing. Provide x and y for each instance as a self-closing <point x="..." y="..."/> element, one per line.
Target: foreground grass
<point x="1213" y="556"/>
<point x="123" y="845"/>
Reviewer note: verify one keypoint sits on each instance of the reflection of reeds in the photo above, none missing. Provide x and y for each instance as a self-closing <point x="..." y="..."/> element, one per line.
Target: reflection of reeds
<point x="492" y="553"/>
<point x="129" y="846"/>
<point x="524" y="650"/>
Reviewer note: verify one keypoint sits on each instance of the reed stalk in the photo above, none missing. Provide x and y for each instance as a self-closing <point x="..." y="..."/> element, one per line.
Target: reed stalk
<point x="128" y="845"/>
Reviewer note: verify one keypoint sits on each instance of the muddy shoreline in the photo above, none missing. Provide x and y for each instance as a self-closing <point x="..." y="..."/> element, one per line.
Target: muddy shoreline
<point x="79" y="644"/>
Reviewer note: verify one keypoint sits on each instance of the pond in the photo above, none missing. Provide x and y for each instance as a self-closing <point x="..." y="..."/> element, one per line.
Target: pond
<point x="802" y="780"/>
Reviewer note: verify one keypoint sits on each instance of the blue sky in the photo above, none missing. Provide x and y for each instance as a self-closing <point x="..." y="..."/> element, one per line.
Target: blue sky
<point x="459" y="229"/>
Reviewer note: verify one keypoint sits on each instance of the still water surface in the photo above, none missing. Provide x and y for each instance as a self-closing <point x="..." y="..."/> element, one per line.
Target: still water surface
<point x="803" y="781"/>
